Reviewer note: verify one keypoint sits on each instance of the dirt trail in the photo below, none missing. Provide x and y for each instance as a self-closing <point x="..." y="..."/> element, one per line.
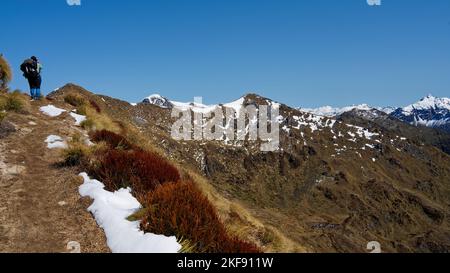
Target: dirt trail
<point x="40" y="208"/>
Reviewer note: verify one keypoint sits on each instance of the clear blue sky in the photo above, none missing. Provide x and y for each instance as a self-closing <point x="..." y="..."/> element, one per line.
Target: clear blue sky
<point x="300" y="52"/>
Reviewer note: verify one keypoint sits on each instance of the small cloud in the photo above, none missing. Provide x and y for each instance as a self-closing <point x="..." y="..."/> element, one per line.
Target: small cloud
<point x="73" y="2"/>
<point x="374" y="2"/>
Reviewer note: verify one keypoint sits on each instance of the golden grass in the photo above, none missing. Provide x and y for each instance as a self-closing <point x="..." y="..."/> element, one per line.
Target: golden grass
<point x="14" y="101"/>
<point x="74" y="100"/>
<point x="5" y="73"/>
<point x="96" y="121"/>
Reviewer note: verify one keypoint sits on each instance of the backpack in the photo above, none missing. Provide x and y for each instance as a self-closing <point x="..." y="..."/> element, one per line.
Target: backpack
<point x="29" y="68"/>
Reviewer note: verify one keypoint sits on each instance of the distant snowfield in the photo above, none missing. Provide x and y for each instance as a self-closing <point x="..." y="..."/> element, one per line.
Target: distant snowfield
<point x="51" y="110"/>
<point x="111" y="209"/>
<point x="328" y="111"/>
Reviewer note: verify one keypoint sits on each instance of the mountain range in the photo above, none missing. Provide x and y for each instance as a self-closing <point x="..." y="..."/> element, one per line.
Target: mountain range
<point x="429" y="111"/>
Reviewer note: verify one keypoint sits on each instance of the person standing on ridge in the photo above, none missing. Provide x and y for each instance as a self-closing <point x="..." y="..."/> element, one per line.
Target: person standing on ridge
<point x="31" y="69"/>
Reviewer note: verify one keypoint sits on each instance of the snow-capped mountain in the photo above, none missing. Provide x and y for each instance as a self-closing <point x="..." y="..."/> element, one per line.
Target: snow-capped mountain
<point x="429" y="111"/>
<point x="158" y="100"/>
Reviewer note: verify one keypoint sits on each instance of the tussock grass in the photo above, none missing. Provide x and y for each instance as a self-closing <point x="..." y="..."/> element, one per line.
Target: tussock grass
<point x="14" y="101"/>
<point x="95" y="106"/>
<point x="141" y="170"/>
<point x="77" y="152"/>
<point x="181" y="209"/>
<point x="5" y="74"/>
<point x="97" y="121"/>
<point x="75" y="100"/>
<point x="114" y="140"/>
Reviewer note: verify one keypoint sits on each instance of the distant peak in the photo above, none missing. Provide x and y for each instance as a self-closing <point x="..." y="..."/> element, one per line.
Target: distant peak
<point x="155" y="96"/>
<point x="158" y="100"/>
<point x="427" y="103"/>
<point x="428" y="97"/>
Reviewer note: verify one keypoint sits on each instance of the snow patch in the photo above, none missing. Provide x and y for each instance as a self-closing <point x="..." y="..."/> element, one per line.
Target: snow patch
<point x="51" y="110"/>
<point x="111" y="209"/>
<point x="55" y="142"/>
<point x="78" y="118"/>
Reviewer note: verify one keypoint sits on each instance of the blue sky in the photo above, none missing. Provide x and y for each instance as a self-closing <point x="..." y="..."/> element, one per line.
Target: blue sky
<point x="300" y="52"/>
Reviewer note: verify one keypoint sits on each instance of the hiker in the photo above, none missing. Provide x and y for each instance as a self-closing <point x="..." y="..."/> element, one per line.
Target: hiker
<point x="31" y="69"/>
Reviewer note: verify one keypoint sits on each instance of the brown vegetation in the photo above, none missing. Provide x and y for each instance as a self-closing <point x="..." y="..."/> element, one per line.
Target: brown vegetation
<point x="180" y="208"/>
<point x="5" y="74"/>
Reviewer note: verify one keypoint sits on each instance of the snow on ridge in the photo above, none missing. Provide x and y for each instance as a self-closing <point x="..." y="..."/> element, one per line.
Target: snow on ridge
<point x="194" y="106"/>
<point x="203" y="108"/>
<point x="111" y="209"/>
<point x="155" y="96"/>
<point x="328" y="111"/>
<point x="51" y="110"/>
<point x="157" y="100"/>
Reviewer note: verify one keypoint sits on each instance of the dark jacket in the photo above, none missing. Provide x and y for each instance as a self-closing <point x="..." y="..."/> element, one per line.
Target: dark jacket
<point x="32" y="71"/>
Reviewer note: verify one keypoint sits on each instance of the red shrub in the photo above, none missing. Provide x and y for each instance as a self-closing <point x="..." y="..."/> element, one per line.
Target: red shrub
<point x="114" y="140"/>
<point x="181" y="209"/>
<point x="95" y="106"/>
<point x="141" y="170"/>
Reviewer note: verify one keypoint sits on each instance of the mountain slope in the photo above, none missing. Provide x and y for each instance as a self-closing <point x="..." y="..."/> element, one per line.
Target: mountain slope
<point x="333" y="186"/>
<point x="378" y="120"/>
